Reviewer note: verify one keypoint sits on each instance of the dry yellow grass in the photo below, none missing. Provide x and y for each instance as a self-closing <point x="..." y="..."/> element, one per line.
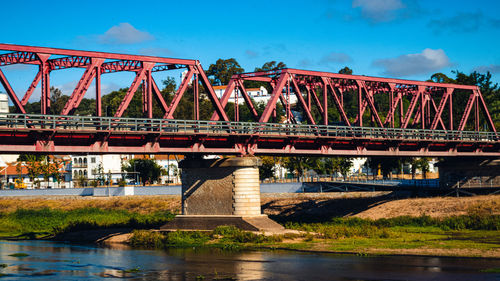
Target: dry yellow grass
<point x="140" y="204"/>
<point x="282" y="204"/>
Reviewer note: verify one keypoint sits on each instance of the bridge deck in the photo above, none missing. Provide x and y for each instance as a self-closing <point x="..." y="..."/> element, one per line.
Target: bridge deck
<point x="87" y="134"/>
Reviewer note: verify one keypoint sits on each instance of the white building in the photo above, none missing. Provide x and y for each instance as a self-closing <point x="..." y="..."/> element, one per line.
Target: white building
<point x="4" y="103"/>
<point x="257" y="94"/>
<point x="89" y="166"/>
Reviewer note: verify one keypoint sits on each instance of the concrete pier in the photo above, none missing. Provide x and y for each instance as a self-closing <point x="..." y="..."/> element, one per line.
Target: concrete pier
<point x="469" y="172"/>
<point x="221" y="192"/>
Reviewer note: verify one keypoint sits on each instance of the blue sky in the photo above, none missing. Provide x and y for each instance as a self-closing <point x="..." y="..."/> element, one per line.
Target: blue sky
<point x="390" y="38"/>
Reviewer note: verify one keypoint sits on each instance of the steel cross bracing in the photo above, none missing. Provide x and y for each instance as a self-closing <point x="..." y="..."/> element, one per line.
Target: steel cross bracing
<point x="409" y="104"/>
<point x="440" y="112"/>
<point x="95" y="65"/>
<point x="87" y="134"/>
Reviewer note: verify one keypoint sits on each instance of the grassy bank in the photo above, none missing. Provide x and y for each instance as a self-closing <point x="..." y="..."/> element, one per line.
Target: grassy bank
<point x="326" y="224"/>
<point x="455" y="236"/>
<point x="46" y="223"/>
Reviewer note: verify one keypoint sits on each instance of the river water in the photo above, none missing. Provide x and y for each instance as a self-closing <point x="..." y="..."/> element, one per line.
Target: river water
<point x="60" y="261"/>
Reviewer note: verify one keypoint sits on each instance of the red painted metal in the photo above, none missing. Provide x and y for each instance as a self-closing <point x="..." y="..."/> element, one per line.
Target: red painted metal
<point x="422" y="110"/>
<point x="95" y="64"/>
<point x="428" y="101"/>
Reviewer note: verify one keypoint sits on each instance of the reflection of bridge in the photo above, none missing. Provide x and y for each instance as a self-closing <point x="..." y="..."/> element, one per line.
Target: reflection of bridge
<point x="85" y="134"/>
<point x="420" y="120"/>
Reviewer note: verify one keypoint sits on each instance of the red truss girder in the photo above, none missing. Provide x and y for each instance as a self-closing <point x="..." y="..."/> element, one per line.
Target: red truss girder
<point x="427" y="100"/>
<point x="95" y="64"/>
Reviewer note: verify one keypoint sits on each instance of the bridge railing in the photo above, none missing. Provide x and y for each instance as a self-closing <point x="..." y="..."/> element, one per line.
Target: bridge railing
<point x="112" y="124"/>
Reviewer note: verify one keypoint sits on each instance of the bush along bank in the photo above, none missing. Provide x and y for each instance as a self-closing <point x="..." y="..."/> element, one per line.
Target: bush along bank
<point x="453" y="236"/>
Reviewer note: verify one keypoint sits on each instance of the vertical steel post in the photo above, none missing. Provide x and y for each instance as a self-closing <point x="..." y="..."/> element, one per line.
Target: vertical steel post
<point x="360" y="105"/>
<point x="422" y="108"/>
<point x="98" y="101"/>
<point x="476" y="115"/>
<point x="196" y="97"/>
<point x="45" y="99"/>
<point x="149" y="94"/>
<point x="325" y="103"/>
<point x="401" y="109"/>
<point x="450" y="102"/>
<point x="391" y="102"/>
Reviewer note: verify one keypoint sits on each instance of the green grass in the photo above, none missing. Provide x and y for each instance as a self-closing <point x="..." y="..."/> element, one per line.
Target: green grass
<point x="461" y="236"/>
<point x="32" y="224"/>
<point x="226" y="237"/>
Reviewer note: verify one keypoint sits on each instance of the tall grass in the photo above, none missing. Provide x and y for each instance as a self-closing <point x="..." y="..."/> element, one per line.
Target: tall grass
<point x="357" y="227"/>
<point x="54" y="221"/>
<point x="227" y="237"/>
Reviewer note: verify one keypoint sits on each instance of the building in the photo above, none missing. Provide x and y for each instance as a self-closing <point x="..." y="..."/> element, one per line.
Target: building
<point x="93" y="167"/>
<point x="4" y="103"/>
<point x="257" y="94"/>
<point x="169" y="163"/>
<point x="16" y="174"/>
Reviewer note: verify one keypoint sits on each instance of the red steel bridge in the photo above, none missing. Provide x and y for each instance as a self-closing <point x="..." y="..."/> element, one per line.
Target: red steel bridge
<point x="419" y="119"/>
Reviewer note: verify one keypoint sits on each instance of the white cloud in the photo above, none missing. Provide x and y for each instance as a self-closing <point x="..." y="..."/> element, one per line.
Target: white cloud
<point x="335" y="58"/>
<point x="251" y="54"/>
<point x="427" y="61"/>
<point x="494" y="68"/>
<point x="156" y="51"/>
<point x="378" y="10"/>
<point x="124" y="33"/>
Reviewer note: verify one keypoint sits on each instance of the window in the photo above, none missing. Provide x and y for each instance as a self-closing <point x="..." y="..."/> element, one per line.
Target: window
<point x="92" y="160"/>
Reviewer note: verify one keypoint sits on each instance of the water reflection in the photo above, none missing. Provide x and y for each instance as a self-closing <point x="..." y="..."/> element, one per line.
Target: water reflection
<point x="58" y="261"/>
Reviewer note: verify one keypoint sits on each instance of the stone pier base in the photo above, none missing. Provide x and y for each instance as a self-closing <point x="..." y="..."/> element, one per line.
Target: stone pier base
<point x="219" y="192"/>
<point x="469" y="173"/>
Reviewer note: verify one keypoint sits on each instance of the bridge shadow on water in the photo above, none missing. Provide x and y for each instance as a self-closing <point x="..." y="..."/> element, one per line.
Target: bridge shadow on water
<point x="322" y="209"/>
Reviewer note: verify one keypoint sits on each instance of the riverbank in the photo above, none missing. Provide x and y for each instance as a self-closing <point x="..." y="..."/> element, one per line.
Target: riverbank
<point x="316" y="218"/>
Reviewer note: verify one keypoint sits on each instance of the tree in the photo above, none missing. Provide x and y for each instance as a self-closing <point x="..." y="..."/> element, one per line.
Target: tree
<point x="346" y="70"/>
<point x="33" y="166"/>
<point x="149" y="171"/>
<point x="271" y="65"/>
<point x="57" y="100"/>
<point x="385" y="164"/>
<point x="223" y="69"/>
<point x="50" y="168"/>
<point x="423" y="164"/>
<point x="341" y="165"/>
<point x="266" y="170"/>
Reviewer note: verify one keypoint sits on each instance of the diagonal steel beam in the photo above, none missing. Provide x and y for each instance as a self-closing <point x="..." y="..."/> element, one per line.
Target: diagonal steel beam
<point x="158" y="96"/>
<point x="315" y="98"/>
<point x="225" y="97"/>
<point x="302" y="101"/>
<point x="11" y="93"/>
<point x="440" y="108"/>
<point x="178" y="95"/>
<point x="248" y="101"/>
<point x="486" y="113"/>
<point x="81" y="88"/>
<point x="211" y="93"/>
<point x="276" y="94"/>
<point x="369" y="99"/>
<point x="436" y="110"/>
<point x="31" y="88"/>
<point x="336" y="99"/>
<point x="468" y="107"/>
<point x="141" y="75"/>
<point x="411" y="107"/>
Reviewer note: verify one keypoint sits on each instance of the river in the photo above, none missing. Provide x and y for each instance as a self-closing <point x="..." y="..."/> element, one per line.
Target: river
<point x="60" y="261"/>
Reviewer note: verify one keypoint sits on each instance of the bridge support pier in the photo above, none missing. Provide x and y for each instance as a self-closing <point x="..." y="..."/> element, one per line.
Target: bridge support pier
<point x="470" y="173"/>
<point x="221" y="192"/>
